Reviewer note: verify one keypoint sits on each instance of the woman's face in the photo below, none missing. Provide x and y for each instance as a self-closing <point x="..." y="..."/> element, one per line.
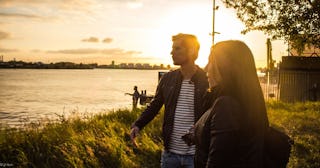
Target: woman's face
<point x="213" y="73"/>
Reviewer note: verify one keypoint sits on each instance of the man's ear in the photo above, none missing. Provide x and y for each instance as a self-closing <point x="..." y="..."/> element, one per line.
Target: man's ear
<point x="193" y="53"/>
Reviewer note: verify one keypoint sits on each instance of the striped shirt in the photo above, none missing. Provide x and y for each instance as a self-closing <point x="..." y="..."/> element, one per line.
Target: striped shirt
<point x="183" y="120"/>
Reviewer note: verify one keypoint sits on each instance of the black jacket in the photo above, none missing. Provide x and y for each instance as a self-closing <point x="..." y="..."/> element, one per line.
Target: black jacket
<point x="167" y="94"/>
<point x="221" y="141"/>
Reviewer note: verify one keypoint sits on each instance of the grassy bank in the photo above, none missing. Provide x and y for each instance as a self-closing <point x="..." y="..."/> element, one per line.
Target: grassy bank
<point x="103" y="140"/>
<point x="99" y="141"/>
<point x="302" y="122"/>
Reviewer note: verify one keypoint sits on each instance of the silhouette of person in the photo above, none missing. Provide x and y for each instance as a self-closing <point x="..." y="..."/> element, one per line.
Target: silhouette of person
<point x="180" y="91"/>
<point x="143" y="97"/>
<point x="314" y="92"/>
<point x="231" y="132"/>
<point x="135" y="97"/>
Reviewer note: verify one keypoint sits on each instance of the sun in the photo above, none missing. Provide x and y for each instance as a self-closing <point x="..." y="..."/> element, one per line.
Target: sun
<point x="196" y="19"/>
<point x="191" y="19"/>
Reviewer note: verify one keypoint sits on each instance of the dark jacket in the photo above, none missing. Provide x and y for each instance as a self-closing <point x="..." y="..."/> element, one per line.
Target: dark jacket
<point x="167" y="94"/>
<point x="221" y="141"/>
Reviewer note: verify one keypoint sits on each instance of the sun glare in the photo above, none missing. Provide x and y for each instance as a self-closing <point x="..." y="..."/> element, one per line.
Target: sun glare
<point x="197" y="20"/>
<point x="191" y="20"/>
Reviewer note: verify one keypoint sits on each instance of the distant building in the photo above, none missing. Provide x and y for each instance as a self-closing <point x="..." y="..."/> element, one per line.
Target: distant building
<point x="299" y="78"/>
<point x="130" y="65"/>
<point x="123" y="65"/>
<point x="112" y="64"/>
<point x="299" y="75"/>
<point x="138" y="66"/>
<point x="156" y="67"/>
<point x="146" y="66"/>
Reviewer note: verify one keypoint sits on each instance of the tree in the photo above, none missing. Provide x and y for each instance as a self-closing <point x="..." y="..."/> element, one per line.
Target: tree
<point x="295" y="21"/>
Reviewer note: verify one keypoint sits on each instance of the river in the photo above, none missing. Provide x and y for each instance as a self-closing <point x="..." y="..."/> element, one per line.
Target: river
<point x="28" y="95"/>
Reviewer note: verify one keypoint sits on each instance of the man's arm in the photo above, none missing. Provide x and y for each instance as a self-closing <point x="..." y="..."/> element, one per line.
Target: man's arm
<point x="152" y="109"/>
<point x="150" y="112"/>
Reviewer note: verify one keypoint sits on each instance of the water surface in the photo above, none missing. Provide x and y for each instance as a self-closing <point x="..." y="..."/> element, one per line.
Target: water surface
<point x="32" y="94"/>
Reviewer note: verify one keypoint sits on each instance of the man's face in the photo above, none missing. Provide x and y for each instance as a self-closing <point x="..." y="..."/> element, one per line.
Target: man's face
<point x="180" y="53"/>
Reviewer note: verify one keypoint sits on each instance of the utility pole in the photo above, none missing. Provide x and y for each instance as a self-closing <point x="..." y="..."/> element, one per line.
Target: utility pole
<point x="270" y="65"/>
<point x="213" y="15"/>
<point x="269" y="55"/>
<point x="213" y="20"/>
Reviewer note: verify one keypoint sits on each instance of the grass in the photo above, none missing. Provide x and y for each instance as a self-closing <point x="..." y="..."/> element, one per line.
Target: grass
<point x="301" y="121"/>
<point x="98" y="141"/>
<point x="103" y="140"/>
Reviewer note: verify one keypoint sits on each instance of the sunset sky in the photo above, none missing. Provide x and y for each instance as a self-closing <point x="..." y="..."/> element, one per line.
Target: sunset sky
<point x="126" y="31"/>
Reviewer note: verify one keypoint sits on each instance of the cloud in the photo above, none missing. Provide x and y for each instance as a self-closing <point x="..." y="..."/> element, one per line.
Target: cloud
<point x="36" y="51"/>
<point x="110" y="52"/>
<point x="134" y="4"/>
<point x="9" y="3"/>
<point x="6" y="50"/>
<point x="91" y="40"/>
<point x="107" y="40"/>
<point x="95" y="40"/>
<point x="76" y="51"/>
<point x="118" y="51"/>
<point x="20" y="15"/>
<point x="60" y="9"/>
<point x="4" y="35"/>
<point x="64" y="4"/>
<point x="35" y="9"/>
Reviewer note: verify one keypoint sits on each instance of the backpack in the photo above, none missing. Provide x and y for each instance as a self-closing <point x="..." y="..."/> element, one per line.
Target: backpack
<point x="277" y="148"/>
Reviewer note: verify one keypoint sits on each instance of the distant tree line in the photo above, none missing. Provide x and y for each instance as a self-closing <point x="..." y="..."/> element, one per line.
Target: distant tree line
<point x="40" y="65"/>
<point x="71" y="65"/>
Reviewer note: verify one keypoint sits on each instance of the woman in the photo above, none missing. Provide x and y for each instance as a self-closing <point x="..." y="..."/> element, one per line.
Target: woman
<point x="231" y="132"/>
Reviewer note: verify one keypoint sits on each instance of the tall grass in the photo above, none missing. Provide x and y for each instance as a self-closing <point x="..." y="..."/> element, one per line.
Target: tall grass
<point x="103" y="140"/>
<point x="301" y="121"/>
<point x="99" y="141"/>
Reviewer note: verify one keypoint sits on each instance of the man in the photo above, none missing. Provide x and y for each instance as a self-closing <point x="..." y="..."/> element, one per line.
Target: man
<point x="135" y="96"/>
<point x="181" y="92"/>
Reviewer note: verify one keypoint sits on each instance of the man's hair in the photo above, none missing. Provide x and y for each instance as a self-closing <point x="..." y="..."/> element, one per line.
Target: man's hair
<point x="189" y="40"/>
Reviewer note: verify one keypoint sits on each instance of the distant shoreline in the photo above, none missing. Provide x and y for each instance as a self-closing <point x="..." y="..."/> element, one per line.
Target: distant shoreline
<point x="81" y="68"/>
<point x="70" y="65"/>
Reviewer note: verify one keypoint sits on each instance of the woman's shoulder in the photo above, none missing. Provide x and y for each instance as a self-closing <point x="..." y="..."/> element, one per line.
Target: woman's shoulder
<point x="226" y="107"/>
<point x="227" y="101"/>
<point x="226" y="111"/>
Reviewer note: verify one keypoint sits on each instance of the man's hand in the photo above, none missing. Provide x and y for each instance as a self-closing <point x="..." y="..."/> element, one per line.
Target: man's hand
<point x="134" y="133"/>
<point x="188" y="138"/>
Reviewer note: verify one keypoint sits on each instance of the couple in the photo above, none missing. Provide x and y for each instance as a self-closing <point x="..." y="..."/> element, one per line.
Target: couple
<point x="227" y="120"/>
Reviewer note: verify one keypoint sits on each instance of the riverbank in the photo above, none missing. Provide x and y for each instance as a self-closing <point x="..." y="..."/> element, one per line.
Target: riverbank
<point x="103" y="140"/>
<point x="70" y="65"/>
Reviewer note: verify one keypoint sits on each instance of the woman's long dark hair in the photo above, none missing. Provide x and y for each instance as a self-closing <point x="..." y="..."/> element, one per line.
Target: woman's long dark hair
<point x="236" y="66"/>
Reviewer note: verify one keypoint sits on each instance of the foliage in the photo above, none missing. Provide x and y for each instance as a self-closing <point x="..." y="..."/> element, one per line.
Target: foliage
<point x="295" y="21"/>
<point x="100" y="141"/>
